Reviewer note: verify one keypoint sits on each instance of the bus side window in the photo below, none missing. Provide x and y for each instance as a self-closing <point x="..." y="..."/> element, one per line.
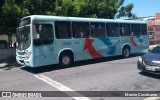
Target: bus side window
<point x="63" y="29"/>
<point x="136" y="29"/>
<point x="80" y="29"/>
<point x="98" y="29"/>
<point x="113" y="29"/>
<point x="125" y="29"/>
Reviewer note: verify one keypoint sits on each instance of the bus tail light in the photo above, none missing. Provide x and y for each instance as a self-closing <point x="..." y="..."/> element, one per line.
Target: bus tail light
<point x="28" y="54"/>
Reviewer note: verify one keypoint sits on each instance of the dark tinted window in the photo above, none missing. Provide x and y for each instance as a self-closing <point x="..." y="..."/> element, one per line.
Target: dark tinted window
<point x="136" y="30"/>
<point x="144" y="29"/>
<point x="63" y="29"/>
<point x="125" y="30"/>
<point x="98" y="29"/>
<point x="112" y="29"/>
<point x="150" y="28"/>
<point x="156" y="50"/>
<point x="80" y="29"/>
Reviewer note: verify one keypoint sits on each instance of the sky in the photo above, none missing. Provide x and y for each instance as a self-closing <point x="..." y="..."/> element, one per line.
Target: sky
<point x="144" y="8"/>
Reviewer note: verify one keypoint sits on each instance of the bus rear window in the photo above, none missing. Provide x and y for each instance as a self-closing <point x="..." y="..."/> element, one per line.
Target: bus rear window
<point x="25" y="21"/>
<point x="144" y="29"/>
<point x="136" y="30"/>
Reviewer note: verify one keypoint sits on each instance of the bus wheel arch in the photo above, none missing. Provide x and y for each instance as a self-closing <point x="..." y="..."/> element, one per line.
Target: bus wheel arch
<point x="66" y="58"/>
<point x="126" y="50"/>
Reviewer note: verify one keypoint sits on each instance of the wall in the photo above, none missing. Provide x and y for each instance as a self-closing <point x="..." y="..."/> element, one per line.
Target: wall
<point x="5" y="37"/>
<point x="6" y="53"/>
<point x="154" y="29"/>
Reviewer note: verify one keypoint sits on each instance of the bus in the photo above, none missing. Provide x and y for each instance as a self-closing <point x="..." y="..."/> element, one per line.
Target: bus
<point x="45" y="40"/>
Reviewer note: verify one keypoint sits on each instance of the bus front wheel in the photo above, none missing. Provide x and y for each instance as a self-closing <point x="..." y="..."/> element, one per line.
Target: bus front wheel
<point x="126" y="52"/>
<point x="65" y="60"/>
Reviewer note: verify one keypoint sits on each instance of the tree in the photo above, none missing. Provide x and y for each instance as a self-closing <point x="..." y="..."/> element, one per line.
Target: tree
<point x="9" y="18"/>
<point x="94" y="8"/>
<point x="125" y="11"/>
<point x="13" y="10"/>
<point x="1" y="4"/>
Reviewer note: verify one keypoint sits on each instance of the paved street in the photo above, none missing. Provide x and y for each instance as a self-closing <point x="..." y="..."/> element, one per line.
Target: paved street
<point x="109" y="74"/>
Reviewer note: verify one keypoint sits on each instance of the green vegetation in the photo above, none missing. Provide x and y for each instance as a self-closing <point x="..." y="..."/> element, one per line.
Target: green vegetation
<point x="13" y="10"/>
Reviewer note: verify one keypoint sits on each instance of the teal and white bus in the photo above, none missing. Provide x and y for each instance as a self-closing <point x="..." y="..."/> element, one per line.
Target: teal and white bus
<point x="45" y="40"/>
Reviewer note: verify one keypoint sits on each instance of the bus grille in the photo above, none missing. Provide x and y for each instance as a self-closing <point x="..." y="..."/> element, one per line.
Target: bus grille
<point x="21" y="53"/>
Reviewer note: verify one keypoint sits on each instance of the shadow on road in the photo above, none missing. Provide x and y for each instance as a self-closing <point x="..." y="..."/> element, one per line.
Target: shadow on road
<point x="49" y="68"/>
<point x="150" y="75"/>
<point x="8" y="63"/>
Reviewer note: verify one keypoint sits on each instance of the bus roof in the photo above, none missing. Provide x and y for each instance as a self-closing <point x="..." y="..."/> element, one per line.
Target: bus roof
<point x="81" y="19"/>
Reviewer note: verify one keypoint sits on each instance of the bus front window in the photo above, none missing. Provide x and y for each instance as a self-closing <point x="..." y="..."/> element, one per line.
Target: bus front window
<point x="23" y="37"/>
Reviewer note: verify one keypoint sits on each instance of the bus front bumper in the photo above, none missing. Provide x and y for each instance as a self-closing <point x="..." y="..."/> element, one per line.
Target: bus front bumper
<point x="22" y="62"/>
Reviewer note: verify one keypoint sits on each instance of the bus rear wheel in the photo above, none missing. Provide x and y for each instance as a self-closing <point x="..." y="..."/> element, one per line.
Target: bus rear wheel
<point x="65" y="60"/>
<point x="125" y="52"/>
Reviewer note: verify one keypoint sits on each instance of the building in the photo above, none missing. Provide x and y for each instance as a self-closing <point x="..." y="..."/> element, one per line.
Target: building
<point x="154" y="29"/>
<point x="153" y="23"/>
<point x="5" y="38"/>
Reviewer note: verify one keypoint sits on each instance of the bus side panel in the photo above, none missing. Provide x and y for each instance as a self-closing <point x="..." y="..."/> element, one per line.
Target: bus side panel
<point x="90" y="48"/>
<point x="44" y="55"/>
<point x="137" y="43"/>
<point x="125" y="40"/>
<point x="81" y="53"/>
<point x="75" y="45"/>
<point x="112" y="44"/>
<point x="145" y="44"/>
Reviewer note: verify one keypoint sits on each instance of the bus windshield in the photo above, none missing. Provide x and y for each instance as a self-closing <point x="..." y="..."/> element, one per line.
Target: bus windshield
<point x="23" y="37"/>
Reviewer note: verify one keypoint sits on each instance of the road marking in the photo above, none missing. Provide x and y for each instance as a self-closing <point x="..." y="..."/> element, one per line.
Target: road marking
<point x="59" y="86"/>
<point x="152" y="98"/>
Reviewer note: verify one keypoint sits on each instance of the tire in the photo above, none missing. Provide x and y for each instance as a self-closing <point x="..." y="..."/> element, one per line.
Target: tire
<point x="125" y="52"/>
<point x="65" y="60"/>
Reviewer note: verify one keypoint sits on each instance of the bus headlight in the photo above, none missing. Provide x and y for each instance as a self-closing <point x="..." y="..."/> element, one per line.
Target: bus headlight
<point x="28" y="54"/>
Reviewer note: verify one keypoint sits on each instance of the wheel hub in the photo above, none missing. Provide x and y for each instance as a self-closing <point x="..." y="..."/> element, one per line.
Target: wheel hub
<point x="66" y="60"/>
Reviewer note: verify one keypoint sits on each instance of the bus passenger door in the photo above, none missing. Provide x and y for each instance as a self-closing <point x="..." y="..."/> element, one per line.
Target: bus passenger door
<point x="43" y="44"/>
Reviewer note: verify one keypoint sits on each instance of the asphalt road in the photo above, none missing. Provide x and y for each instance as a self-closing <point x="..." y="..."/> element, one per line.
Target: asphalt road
<point x="109" y="74"/>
